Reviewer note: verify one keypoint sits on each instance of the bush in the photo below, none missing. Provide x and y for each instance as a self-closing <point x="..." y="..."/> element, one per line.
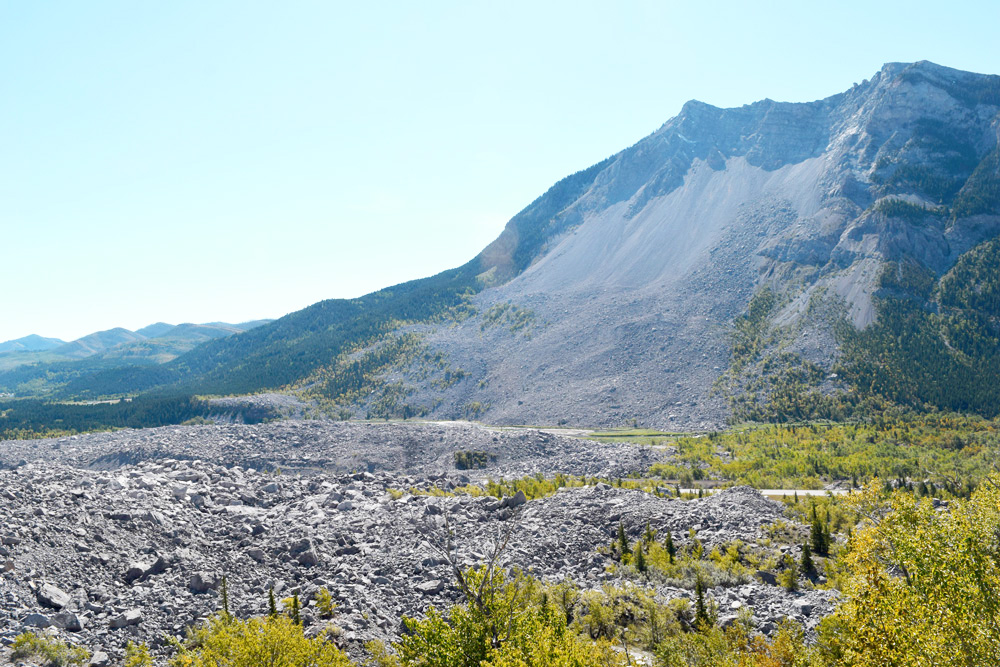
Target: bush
<point x="507" y="623"/>
<point x="736" y="647"/>
<point x="789" y="576"/>
<point x="468" y="460"/>
<point x="324" y="603"/>
<point x="276" y="641"/>
<point x="51" y="652"/>
<point x="137" y="655"/>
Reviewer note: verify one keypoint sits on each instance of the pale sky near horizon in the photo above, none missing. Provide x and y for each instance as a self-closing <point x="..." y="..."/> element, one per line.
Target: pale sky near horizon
<point x="192" y="161"/>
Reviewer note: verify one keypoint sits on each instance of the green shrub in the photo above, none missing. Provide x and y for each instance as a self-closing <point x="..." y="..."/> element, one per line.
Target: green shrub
<point x="789" y="576"/>
<point x="469" y="460"/>
<point x="507" y="623"/>
<point x="137" y="655"/>
<point x="324" y="603"/>
<point x="50" y="651"/>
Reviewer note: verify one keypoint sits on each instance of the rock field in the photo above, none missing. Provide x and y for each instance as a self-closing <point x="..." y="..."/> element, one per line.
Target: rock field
<point x="426" y="449"/>
<point x="107" y="538"/>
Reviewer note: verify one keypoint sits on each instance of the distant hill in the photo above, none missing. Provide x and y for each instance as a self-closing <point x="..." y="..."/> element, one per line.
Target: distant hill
<point x="154" y="330"/>
<point x="32" y="343"/>
<point x="171" y="341"/>
<point x="96" y="342"/>
<point x="59" y="371"/>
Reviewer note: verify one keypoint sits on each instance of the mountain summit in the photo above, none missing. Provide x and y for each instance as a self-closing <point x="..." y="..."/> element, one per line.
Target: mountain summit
<point x="647" y="265"/>
<point x="755" y="262"/>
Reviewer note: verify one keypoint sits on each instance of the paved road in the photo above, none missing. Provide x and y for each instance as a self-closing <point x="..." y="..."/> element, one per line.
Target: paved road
<point x="785" y="492"/>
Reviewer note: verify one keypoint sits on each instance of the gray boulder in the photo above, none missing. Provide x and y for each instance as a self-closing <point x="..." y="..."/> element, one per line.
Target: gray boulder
<point x="52" y="597"/>
<point x="203" y="582"/>
<point x="36" y="621"/>
<point x="130" y="617"/>
<point x="516" y="500"/>
<point x="309" y="558"/>
<point x="431" y="587"/>
<point x="136" y="571"/>
<point x="68" y="621"/>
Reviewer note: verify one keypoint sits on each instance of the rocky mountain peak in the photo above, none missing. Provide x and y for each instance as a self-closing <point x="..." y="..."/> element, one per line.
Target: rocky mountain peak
<point x="613" y="296"/>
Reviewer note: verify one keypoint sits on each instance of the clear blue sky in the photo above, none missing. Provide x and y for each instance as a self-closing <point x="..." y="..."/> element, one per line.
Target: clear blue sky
<point x="232" y="160"/>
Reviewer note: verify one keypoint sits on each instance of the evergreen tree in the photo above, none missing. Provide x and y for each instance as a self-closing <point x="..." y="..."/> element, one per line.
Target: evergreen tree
<point x="225" y="596"/>
<point x="623" y="545"/>
<point x="640" y="558"/>
<point x="272" y="608"/>
<point x="807" y="564"/>
<point x="701" y="618"/>
<point x="669" y="545"/>
<point x="296" y="617"/>
<point x="649" y="534"/>
<point x="818" y="536"/>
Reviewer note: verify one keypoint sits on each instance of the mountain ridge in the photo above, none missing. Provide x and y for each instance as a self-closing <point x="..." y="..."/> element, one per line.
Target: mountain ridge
<point x="31" y="343"/>
<point x="613" y="298"/>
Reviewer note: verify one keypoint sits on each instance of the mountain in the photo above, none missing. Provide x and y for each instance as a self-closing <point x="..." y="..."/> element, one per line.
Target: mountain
<point x="31" y="343"/>
<point x="73" y="370"/>
<point x="165" y="342"/>
<point x="772" y="261"/>
<point x="154" y="330"/>
<point x="96" y="342"/>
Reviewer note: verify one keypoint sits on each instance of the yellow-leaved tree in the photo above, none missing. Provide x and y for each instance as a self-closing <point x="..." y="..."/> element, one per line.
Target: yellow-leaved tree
<point x="503" y="624"/>
<point x="923" y="585"/>
<point x="256" y="642"/>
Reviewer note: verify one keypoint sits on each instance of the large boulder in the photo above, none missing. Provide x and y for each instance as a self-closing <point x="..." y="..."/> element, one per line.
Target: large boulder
<point x="308" y="558"/>
<point x="68" y="621"/>
<point x="52" y="597"/>
<point x="203" y="582"/>
<point x="136" y="571"/>
<point x="516" y="500"/>
<point x="431" y="587"/>
<point x="36" y="621"/>
<point x="130" y="617"/>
